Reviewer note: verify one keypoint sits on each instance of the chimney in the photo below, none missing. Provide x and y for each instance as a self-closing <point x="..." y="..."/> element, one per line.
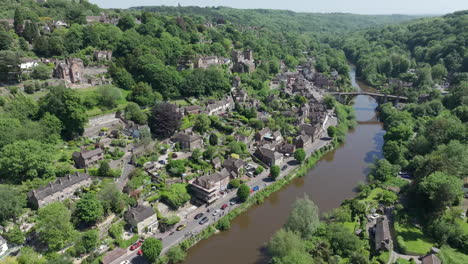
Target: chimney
<point x="69" y="177"/>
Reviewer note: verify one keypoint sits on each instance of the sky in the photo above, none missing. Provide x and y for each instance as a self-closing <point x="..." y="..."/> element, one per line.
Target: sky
<point x="321" y="6"/>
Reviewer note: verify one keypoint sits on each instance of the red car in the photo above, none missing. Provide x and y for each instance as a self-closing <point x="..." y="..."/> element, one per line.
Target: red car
<point x="224" y="206"/>
<point x="140" y="252"/>
<point x="135" y="246"/>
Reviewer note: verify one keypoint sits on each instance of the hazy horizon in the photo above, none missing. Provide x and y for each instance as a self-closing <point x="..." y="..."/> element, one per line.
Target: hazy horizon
<point x="367" y="7"/>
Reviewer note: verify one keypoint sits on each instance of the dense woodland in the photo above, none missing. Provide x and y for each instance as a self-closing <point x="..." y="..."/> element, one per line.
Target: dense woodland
<point x="40" y="126"/>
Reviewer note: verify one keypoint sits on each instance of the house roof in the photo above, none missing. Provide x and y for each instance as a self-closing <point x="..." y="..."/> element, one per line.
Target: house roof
<point x="216" y="160"/>
<point x="430" y="259"/>
<point x="264" y="131"/>
<point x="271" y="154"/>
<point x="86" y="154"/>
<point x="233" y="163"/>
<point x="139" y="213"/>
<point x="382" y="232"/>
<point x="207" y="180"/>
<point x="113" y="255"/>
<point x="59" y="185"/>
<point x="304" y="138"/>
<point x="307" y="129"/>
<point x="192" y="108"/>
<point x="189" y="137"/>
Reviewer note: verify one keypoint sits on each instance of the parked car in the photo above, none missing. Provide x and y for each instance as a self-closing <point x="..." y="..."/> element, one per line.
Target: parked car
<point x="135" y="246"/>
<point x="224" y="206"/>
<point x="181" y="227"/>
<point x="215" y="213"/>
<point x="140" y="252"/>
<point x="125" y="262"/>
<point x="233" y="201"/>
<point x="256" y="188"/>
<point x="284" y="167"/>
<point x="203" y="221"/>
<point x="199" y="216"/>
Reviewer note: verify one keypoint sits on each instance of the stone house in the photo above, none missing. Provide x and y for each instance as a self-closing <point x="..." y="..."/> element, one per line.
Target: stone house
<point x="207" y="188"/>
<point x="216" y="162"/>
<point x="71" y="70"/>
<point x="100" y="55"/>
<point x="236" y="82"/>
<point x="243" y="61"/>
<point x="268" y="156"/>
<point x="260" y="134"/>
<point x="189" y="140"/>
<point x="208" y="61"/>
<point x="233" y="166"/>
<point x="3" y="246"/>
<point x="85" y="158"/>
<point x="383" y="238"/>
<point x="244" y="139"/>
<point x="286" y="148"/>
<point x="134" y="130"/>
<point x="143" y="218"/>
<point x="311" y="130"/>
<point x="61" y="189"/>
<point x="192" y="110"/>
<point x="303" y="141"/>
<point x="240" y="96"/>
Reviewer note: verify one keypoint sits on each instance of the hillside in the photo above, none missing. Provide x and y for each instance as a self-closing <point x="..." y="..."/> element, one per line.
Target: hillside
<point x="284" y="20"/>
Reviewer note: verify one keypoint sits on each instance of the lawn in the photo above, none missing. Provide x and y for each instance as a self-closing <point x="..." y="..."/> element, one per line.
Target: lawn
<point x="96" y="111"/>
<point x="414" y="240"/>
<point x="463" y="224"/>
<point x="403" y="261"/>
<point x="449" y="255"/>
<point x="373" y="195"/>
<point x="350" y="225"/>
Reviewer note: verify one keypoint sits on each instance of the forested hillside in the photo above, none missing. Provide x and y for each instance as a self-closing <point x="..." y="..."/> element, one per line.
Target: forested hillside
<point x="284" y="20"/>
<point x="434" y="47"/>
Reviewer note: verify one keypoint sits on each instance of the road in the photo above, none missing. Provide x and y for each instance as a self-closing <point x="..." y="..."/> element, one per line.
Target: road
<point x="192" y="225"/>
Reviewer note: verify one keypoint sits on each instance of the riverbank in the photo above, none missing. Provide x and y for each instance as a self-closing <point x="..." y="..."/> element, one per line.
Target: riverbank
<point x="346" y="121"/>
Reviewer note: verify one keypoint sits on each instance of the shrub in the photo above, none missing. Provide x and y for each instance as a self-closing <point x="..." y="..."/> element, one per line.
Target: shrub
<point x="223" y="224"/>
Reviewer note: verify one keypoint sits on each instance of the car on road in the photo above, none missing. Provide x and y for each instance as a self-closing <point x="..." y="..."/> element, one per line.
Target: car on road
<point x="284" y="167"/>
<point x="181" y="227"/>
<point x="215" y="213"/>
<point x="256" y="188"/>
<point x="140" y="252"/>
<point x="200" y="215"/>
<point x="125" y="262"/>
<point x="135" y="246"/>
<point x="204" y="220"/>
<point x="224" y="206"/>
<point x="233" y="201"/>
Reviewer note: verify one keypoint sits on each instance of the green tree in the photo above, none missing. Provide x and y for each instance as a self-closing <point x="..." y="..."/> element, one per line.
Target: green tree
<point x="383" y="170"/>
<point x="105" y="169"/>
<point x="283" y="242"/>
<point x="133" y="112"/>
<point x="176" y="167"/>
<point x="31" y="32"/>
<point x="14" y="235"/>
<point x="41" y="72"/>
<point x="331" y="130"/>
<point x="223" y="224"/>
<point x="53" y="225"/>
<point x="75" y="15"/>
<point x="304" y="218"/>
<point x="439" y="72"/>
<point x="275" y="172"/>
<point x="88" y="209"/>
<point x="18" y="22"/>
<point x="176" y="255"/>
<point x="143" y="94"/>
<point x="126" y="22"/>
<point x="243" y="192"/>
<point x="11" y="203"/>
<point x="9" y="66"/>
<point x="176" y="195"/>
<point x="123" y="79"/>
<point x="213" y="139"/>
<point x="441" y="189"/>
<point x="67" y="106"/>
<point x="210" y="152"/>
<point x="202" y="123"/>
<point x="300" y="155"/>
<point x="29" y="256"/>
<point x="151" y="248"/>
<point x="26" y="160"/>
<point x="87" y="242"/>
<point x="109" y="96"/>
<point x="164" y="120"/>
<point x="295" y="257"/>
<point x="110" y="197"/>
<point x="5" y="40"/>
<point x="342" y="240"/>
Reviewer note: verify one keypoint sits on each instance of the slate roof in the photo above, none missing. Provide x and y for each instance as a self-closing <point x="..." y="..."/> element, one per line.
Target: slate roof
<point x="271" y="154"/>
<point x="207" y="180"/>
<point x="382" y="233"/>
<point x="86" y="154"/>
<point x="430" y="259"/>
<point x="189" y="137"/>
<point x="233" y="163"/>
<point x="59" y="185"/>
<point x="139" y="213"/>
<point x="113" y="255"/>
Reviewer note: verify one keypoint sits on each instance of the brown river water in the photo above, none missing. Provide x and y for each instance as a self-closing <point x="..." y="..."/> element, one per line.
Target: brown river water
<point x="333" y="180"/>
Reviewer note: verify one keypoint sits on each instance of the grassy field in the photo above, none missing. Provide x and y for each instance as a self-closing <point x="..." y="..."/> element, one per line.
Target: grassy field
<point x="414" y="239"/>
<point x="449" y="255"/>
<point x="350" y="225"/>
<point x="96" y="111"/>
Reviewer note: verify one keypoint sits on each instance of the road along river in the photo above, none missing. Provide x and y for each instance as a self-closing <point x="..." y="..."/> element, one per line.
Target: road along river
<point x="333" y="180"/>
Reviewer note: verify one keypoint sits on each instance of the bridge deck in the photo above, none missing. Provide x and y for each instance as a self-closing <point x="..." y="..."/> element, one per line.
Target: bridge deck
<point x="370" y="94"/>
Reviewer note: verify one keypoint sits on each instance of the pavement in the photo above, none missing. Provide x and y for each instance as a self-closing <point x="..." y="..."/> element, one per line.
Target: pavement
<point x="173" y="237"/>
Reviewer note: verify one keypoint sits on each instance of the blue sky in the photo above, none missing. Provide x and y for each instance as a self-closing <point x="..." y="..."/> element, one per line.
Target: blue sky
<point x="326" y="6"/>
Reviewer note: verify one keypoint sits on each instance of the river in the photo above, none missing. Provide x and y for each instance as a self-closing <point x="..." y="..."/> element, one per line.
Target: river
<point x="333" y="180"/>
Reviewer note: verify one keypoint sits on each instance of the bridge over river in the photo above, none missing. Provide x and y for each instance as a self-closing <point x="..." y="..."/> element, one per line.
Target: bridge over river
<point x="380" y="98"/>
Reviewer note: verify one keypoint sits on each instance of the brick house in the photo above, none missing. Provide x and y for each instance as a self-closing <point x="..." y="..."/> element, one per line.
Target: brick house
<point x="189" y="140"/>
<point x="61" y="189"/>
<point x="143" y="218"/>
<point x="207" y="188"/>
<point x="85" y="158"/>
<point x="71" y="70"/>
